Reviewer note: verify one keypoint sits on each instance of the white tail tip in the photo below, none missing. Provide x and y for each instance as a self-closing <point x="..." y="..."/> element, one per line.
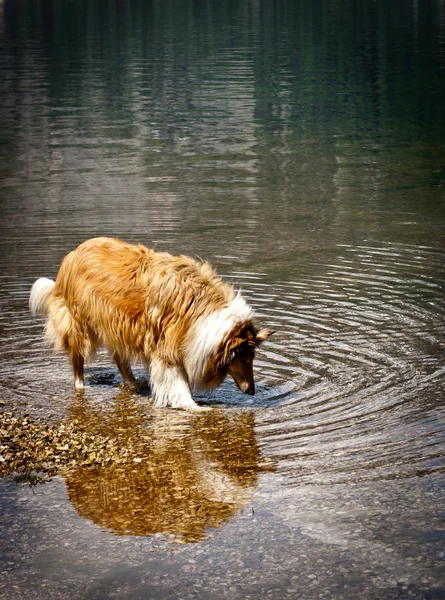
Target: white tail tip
<point x="39" y="295"/>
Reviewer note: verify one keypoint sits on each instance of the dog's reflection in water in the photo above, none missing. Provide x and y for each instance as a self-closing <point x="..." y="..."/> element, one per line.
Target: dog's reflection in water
<point x="183" y="473"/>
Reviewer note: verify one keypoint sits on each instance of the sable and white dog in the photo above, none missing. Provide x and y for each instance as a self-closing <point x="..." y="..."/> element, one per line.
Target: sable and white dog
<point x="186" y="324"/>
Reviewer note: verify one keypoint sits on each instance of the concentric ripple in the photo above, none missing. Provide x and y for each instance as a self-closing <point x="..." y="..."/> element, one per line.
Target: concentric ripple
<point x="354" y="377"/>
<point x="349" y="389"/>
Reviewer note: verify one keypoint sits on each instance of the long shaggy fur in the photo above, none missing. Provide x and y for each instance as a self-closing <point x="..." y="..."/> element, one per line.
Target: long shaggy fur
<point x="174" y="313"/>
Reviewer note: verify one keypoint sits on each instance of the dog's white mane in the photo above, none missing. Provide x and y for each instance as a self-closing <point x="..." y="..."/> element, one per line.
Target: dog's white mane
<point x="208" y="332"/>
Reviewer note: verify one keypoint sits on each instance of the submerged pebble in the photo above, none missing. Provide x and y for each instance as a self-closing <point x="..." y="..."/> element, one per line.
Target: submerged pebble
<point x="27" y="446"/>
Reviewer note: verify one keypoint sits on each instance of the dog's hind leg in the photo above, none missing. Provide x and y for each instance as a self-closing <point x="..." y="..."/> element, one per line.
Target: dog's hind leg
<point x="77" y="362"/>
<point x="64" y="332"/>
<point x="80" y="347"/>
<point x="123" y="364"/>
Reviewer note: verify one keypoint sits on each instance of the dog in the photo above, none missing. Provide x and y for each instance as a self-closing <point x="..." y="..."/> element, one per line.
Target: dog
<point x="188" y="326"/>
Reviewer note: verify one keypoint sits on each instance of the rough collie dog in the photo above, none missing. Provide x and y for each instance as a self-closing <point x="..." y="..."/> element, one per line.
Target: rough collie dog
<point x="172" y="312"/>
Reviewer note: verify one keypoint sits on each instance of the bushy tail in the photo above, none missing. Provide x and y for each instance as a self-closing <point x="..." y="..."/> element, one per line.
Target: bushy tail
<point x="40" y="295"/>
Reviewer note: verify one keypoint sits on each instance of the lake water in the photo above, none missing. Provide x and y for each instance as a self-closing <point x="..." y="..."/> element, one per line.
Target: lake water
<point x="300" y="147"/>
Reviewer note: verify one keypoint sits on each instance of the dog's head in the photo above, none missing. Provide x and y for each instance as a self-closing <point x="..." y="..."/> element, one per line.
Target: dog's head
<point x="235" y="356"/>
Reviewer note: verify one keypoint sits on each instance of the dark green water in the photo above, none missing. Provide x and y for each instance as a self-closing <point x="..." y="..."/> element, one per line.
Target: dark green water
<point x="300" y="146"/>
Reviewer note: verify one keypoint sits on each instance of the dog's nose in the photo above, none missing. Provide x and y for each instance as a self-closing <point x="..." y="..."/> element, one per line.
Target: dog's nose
<point x="248" y="389"/>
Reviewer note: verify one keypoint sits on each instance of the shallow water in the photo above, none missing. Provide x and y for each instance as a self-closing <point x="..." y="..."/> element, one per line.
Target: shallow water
<point x="300" y="147"/>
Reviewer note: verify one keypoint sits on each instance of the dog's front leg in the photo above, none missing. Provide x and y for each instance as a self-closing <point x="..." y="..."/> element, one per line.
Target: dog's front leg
<point x="170" y="386"/>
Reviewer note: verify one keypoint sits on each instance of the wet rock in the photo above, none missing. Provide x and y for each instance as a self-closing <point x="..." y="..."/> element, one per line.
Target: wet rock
<point x="28" y="447"/>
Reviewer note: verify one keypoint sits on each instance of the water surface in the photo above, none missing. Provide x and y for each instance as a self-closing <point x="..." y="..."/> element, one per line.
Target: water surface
<point x="299" y="146"/>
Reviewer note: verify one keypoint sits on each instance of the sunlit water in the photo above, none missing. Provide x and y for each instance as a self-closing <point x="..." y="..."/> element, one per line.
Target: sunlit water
<point x="301" y="148"/>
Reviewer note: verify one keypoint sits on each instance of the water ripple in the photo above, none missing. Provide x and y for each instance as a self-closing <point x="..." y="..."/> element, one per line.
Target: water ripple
<point x="348" y="389"/>
<point x="355" y="372"/>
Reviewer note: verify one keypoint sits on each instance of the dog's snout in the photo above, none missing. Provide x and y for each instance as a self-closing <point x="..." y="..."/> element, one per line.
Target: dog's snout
<point x="248" y="389"/>
<point x="242" y="373"/>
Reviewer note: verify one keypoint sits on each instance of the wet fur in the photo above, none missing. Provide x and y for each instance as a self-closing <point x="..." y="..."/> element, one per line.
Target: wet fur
<point x="174" y="313"/>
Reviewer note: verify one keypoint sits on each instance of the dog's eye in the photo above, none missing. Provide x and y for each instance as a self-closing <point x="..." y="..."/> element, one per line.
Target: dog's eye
<point x="244" y="362"/>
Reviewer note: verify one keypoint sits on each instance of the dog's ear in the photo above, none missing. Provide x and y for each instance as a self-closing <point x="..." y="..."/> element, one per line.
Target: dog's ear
<point x="263" y="334"/>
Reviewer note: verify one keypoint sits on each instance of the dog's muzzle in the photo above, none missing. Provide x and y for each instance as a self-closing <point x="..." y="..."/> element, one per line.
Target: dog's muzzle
<point x="246" y="389"/>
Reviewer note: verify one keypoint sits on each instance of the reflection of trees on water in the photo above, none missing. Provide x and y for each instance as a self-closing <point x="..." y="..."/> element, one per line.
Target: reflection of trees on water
<point x="307" y="65"/>
<point x="186" y="473"/>
<point x="292" y="104"/>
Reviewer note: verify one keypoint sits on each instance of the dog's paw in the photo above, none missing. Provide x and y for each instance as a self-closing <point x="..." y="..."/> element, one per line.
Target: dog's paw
<point x="135" y="386"/>
<point x="199" y="409"/>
